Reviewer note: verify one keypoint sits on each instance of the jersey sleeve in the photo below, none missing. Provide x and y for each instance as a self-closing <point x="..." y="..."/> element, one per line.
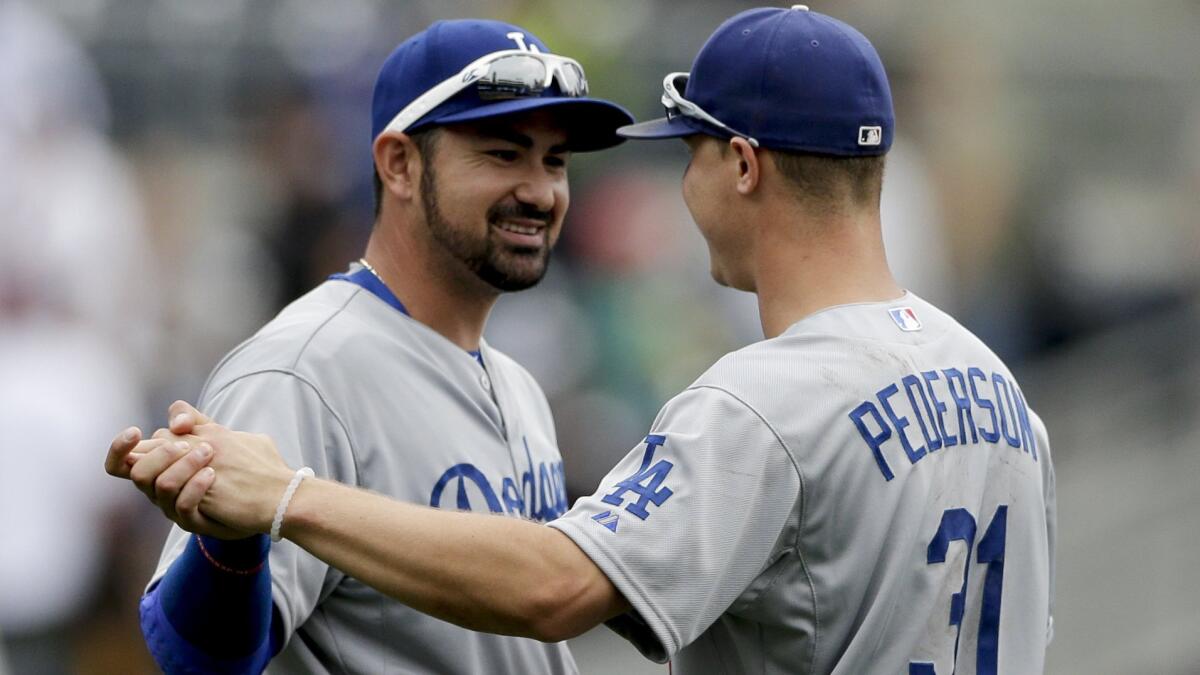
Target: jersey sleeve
<point x="289" y="409"/>
<point x="689" y="518"/>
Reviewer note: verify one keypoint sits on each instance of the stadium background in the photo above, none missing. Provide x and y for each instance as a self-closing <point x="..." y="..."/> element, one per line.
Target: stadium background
<point x="171" y="173"/>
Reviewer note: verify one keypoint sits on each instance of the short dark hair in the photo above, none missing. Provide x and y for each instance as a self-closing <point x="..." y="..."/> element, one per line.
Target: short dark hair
<point x="823" y="181"/>
<point x="426" y="142"/>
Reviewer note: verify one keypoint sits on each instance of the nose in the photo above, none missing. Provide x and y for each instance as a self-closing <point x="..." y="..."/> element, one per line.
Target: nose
<point x="540" y="191"/>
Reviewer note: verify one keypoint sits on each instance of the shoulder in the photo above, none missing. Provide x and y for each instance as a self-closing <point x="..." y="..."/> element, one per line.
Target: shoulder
<point x="335" y="332"/>
<point x="284" y="339"/>
<point x="839" y="345"/>
<point x="824" y="365"/>
<point x="763" y="368"/>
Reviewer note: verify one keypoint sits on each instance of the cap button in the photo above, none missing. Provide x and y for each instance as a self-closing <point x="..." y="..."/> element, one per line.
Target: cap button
<point x="802" y="8"/>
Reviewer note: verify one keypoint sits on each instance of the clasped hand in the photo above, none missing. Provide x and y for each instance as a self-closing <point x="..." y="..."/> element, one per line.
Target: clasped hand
<point x="206" y="478"/>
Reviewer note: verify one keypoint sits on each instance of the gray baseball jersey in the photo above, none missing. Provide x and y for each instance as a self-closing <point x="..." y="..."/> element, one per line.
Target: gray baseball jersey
<point x="367" y="396"/>
<point x="866" y="493"/>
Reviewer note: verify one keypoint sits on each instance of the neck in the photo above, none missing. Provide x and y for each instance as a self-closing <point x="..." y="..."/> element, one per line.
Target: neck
<point x="432" y="285"/>
<point x="803" y="266"/>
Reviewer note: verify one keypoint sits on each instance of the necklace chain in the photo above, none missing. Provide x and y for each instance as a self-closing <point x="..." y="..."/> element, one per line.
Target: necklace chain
<point x="370" y="269"/>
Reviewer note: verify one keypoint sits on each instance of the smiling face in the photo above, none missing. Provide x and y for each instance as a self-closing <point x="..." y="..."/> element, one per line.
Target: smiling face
<point x="494" y="194"/>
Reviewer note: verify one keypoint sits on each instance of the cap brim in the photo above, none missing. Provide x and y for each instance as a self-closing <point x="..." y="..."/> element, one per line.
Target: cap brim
<point x="663" y="127"/>
<point x="592" y="123"/>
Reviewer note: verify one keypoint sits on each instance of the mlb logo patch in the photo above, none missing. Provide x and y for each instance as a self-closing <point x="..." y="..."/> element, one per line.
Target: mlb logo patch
<point x="905" y="318"/>
<point x="870" y="135"/>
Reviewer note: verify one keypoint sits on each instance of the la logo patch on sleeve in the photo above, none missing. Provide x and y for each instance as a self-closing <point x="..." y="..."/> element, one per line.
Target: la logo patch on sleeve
<point x="607" y="519"/>
<point x="905" y="318"/>
<point x="646" y="484"/>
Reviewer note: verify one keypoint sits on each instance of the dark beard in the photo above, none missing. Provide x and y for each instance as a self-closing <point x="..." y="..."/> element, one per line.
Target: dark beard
<point x="503" y="268"/>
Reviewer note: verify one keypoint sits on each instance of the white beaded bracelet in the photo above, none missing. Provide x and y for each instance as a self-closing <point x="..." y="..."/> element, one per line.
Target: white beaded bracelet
<point x="277" y="524"/>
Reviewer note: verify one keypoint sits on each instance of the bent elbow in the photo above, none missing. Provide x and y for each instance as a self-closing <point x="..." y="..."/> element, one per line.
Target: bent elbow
<point x="553" y="614"/>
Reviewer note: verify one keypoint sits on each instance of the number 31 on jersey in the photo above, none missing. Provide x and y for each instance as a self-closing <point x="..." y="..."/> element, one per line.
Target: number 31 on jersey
<point x="959" y="525"/>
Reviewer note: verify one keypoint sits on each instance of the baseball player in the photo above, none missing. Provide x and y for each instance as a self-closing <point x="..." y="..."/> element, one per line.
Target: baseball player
<point x="864" y="491"/>
<point x="379" y="377"/>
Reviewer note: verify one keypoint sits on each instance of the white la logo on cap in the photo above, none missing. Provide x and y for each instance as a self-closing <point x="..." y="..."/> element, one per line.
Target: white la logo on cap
<point x="870" y="135"/>
<point x="519" y="38"/>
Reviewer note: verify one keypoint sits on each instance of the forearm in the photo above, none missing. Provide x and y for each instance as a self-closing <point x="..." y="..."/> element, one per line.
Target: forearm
<point x="484" y="572"/>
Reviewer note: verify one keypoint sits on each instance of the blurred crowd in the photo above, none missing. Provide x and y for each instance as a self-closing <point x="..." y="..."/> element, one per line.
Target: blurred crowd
<point x="173" y="173"/>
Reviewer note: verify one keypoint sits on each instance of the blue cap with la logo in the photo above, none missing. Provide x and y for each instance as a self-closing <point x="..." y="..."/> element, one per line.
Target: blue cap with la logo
<point x="439" y="59"/>
<point x="789" y="79"/>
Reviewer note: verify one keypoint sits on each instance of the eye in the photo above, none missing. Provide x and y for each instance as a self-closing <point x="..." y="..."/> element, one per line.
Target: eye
<point x="503" y="155"/>
<point x="556" y="161"/>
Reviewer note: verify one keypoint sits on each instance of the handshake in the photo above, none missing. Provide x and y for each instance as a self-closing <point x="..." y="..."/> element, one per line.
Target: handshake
<point x="204" y="477"/>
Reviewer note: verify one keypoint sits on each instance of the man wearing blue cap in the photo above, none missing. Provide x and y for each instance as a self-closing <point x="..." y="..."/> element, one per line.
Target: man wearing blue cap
<point x="380" y="378"/>
<point x="864" y="491"/>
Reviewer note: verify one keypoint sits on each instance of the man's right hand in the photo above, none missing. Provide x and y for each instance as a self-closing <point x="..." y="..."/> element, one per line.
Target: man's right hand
<point x="163" y="468"/>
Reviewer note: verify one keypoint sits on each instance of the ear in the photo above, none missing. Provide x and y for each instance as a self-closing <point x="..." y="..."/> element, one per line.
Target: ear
<point x="399" y="164"/>
<point x="748" y="168"/>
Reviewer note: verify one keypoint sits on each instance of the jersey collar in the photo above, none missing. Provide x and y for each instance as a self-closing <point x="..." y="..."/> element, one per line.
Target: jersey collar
<point x="365" y="278"/>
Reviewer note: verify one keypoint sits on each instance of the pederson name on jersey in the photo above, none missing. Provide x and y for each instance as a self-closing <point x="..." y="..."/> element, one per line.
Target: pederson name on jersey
<point x="935" y="409"/>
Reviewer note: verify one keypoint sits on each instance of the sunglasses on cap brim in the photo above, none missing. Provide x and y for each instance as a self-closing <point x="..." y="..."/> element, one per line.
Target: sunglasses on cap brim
<point x="676" y="105"/>
<point x="502" y="75"/>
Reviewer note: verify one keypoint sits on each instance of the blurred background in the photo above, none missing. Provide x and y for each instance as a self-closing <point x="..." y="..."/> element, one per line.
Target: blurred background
<point x="172" y="173"/>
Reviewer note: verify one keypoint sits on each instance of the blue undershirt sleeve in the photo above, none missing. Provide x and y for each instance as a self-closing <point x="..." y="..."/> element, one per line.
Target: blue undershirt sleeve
<point x="212" y="610"/>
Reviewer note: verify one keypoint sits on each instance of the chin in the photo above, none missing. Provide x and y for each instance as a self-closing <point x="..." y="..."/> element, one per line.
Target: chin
<point x="514" y="276"/>
<point x="718" y="272"/>
<point x="738" y="284"/>
<point x="718" y="277"/>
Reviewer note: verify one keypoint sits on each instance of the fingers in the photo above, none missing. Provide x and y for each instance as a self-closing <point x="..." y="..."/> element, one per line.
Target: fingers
<point x="188" y="503"/>
<point x="250" y="476"/>
<point x="139" y="451"/>
<point x="115" y="461"/>
<point x="122" y="454"/>
<point x="188" y="508"/>
<point x="160" y="454"/>
<point x="173" y="474"/>
<point x="184" y="418"/>
<point x="172" y="479"/>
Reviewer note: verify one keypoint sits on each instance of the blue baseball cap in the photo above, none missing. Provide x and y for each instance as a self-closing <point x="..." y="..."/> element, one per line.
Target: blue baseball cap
<point x="791" y="79"/>
<point x="445" y="48"/>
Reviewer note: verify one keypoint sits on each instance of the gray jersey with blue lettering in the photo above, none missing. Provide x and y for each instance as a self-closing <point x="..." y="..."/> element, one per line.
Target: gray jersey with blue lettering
<point x="868" y="492"/>
<point x="367" y="396"/>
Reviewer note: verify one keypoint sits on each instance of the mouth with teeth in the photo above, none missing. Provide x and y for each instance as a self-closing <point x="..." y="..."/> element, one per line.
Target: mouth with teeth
<point x="524" y="234"/>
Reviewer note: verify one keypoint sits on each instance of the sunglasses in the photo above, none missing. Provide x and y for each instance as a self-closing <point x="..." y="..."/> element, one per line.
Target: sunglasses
<point x="506" y="74"/>
<point x="677" y="105"/>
